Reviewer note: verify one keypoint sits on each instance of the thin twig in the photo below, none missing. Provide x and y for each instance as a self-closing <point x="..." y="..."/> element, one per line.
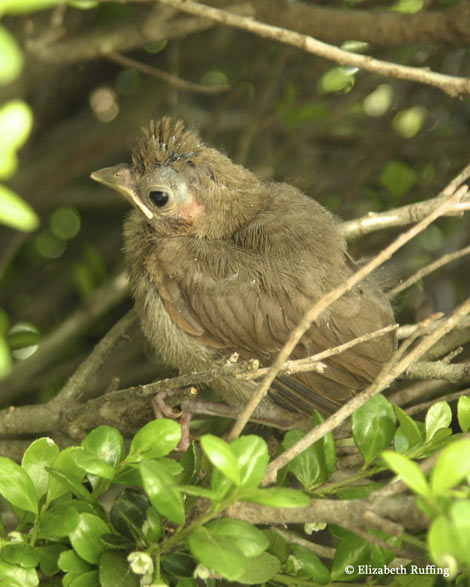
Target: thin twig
<point x="173" y="80"/>
<point x="73" y="389"/>
<point x="447" y="398"/>
<point x="451" y="85"/>
<point x="331" y="297"/>
<point x="424" y="271"/>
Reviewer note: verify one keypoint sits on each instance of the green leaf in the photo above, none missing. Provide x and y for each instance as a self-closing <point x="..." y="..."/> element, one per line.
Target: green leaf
<point x="160" y="487"/>
<point x="106" y="443"/>
<point x="243" y="535"/>
<point x="311" y="564"/>
<point x="39" y="455"/>
<point x="5" y="358"/>
<point x="442" y="541"/>
<point x="16" y="487"/>
<point x="279" y="497"/>
<point x="397" y="178"/>
<point x="260" y="569"/>
<point x="16" y="120"/>
<point x="191" y="463"/>
<point x="179" y="564"/>
<point x="153" y="528"/>
<point x="14" y="576"/>
<point x="336" y="79"/>
<point x="65" y="463"/>
<point x="463" y="412"/>
<point x="350" y="552"/>
<point x="114" y="571"/>
<point x="452" y="465"/>
<point x="11" y="57"/>
<point x="71" y="562"/>
<point x="409" y="428"/>
<point x="156" y="439"/>
<point x="217" y="553"/>
<point x="128" y="514"/>
<point x="409" y="472"/>
<point x="438" y="416"/>
<point x="93" y="465"/>
<point x="222" y="457"/>
<point x="252" y="455"/>
<point x="15" y="212"/>
<point x="373" y="427"/>
<point x="20" y="554"/>
<point x="85" y="539"/>
<point x="48" y="558"/>
<point x="315" y="464"/>
<point x="89" y="579"/>
<point x="58" y="521"/>
<point x="460" y="516"/>
<point x="25" y="6"/>
<point x="69" y="484"/>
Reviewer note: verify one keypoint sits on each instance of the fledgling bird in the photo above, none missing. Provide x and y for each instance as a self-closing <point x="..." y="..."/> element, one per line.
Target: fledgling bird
<point x="220" y="261"/>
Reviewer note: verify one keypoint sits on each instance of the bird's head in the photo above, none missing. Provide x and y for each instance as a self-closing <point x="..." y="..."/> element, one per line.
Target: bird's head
<point x="183" y="187"/>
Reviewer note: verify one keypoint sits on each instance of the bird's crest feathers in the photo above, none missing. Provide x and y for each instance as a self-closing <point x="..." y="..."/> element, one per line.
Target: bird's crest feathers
<point x="163" y="143"/>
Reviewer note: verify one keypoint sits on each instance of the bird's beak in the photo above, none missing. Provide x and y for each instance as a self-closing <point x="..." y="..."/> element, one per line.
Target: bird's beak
<point x="121" y="179"/>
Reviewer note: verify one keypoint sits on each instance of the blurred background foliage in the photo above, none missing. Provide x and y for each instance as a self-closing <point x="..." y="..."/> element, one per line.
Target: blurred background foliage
<point x="355" y="141"/>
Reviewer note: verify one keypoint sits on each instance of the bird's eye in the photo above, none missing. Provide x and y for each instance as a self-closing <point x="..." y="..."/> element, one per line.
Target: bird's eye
<point x="159" y="198"/>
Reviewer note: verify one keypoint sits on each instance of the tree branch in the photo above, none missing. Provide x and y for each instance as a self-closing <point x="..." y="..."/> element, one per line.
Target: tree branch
<point x="451" y="85"/>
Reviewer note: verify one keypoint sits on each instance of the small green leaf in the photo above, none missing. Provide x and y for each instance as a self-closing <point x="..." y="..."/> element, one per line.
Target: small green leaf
<point x="252" y="455"/>
<point x="397" y="178"/>
<point x="280" y="497"/>
<point x="409" y="428"/>
<point x="350" y="552"/>
<point x="14" y="576"/>
<point x="39" y="455"/>
<point x="16" y="486"/>
<point x="58" y="521"/>
<point x="25" y="6"/>
<point x="93" y="465"/>
<point x="128" y="513"/>
<point x="15" y="125"/>
<point x="217" y="553"/>
<point x="48" y="558"/>
<point x="89" y="579"/>
<point x="311" y="564"/>
<point x="442" y="541"/>
<point x="69" y="484"/>
<point x="5" y="358"/>
<point x="452" y="465"/>
<point x="409" y="472"/>
<point x="114" y="571"/>
<point x="106" y="443"/>
<point x="373" y="427"/>
<point x="336" y="79"/>
<point x="221" y="456"/>
<point x="15" y="212"/>
<point x="11" y="57"/>
<point x="156" y="439"/>
<point x="438" y="416"/>
<point x="65" y="463"/>
<point x="85" y="539"/>
<point x="259" y="569"/>
<point x="243" y="535"/>
<point x="160" y="487"/>
<point x="71" y="562"/>
<point x="305" y="466"/>
<point x="463" y="412"/>
<point x="20" y="554"/>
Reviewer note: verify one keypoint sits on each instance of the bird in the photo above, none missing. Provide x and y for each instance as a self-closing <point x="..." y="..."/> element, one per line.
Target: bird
<point x="221" y="261"/>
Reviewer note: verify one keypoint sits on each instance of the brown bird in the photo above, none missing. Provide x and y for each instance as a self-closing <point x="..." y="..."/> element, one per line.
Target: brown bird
<point x="220" y="261"/>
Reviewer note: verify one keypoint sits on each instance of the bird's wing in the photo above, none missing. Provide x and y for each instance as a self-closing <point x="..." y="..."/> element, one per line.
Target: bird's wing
<point x="242" y="316"/>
